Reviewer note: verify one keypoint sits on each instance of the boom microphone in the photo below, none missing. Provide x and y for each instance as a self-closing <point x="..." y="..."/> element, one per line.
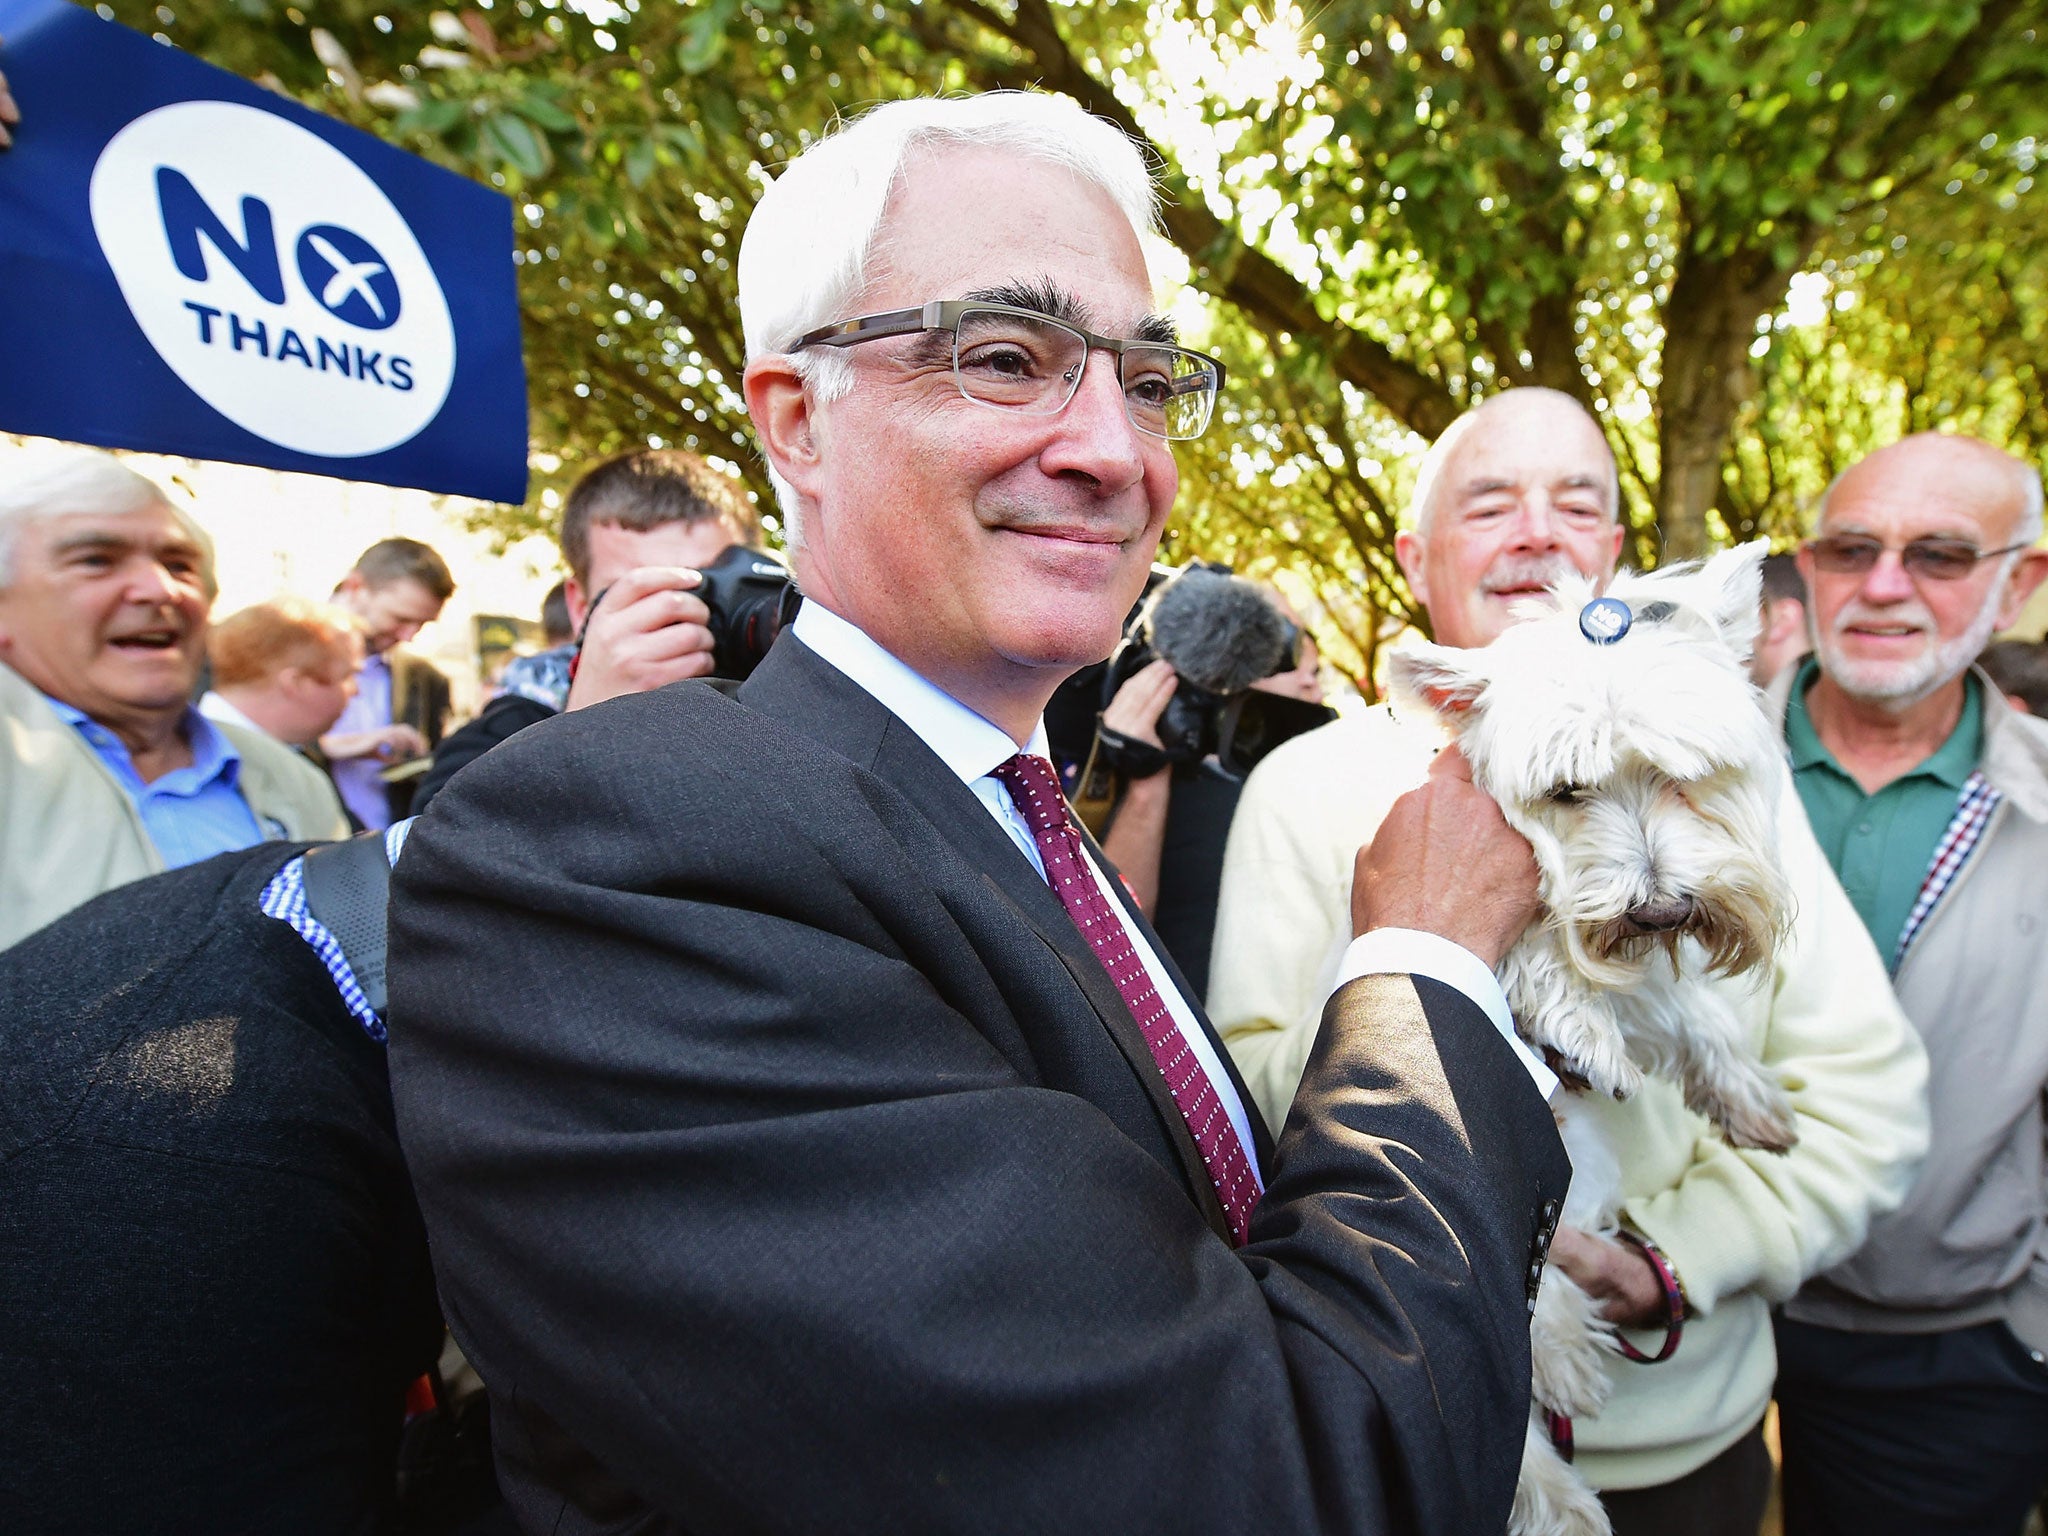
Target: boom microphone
<point x="1219" y="632"/>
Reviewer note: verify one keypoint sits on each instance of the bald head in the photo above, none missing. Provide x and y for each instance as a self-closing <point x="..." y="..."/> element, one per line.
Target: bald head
<point x="2000" y="493"/>
<point x="1526" y="413"/>
<point x="1518" y="492"/>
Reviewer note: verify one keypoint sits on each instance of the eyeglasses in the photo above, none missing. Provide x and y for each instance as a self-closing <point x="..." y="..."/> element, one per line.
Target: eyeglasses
<point x="1855" y="554"/>
<point x="1021" y="360"/>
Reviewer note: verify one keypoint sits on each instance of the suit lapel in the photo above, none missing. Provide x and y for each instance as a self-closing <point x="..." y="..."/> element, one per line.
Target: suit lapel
<point x="803" y="691"/>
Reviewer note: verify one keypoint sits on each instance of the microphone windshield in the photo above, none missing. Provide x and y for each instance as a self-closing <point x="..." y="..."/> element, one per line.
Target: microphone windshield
<point x="1219" y="632"/>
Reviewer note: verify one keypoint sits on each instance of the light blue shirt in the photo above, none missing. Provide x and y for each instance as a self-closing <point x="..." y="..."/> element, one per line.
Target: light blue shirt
<point x="190" y="813"/>
<point x="356" y="777"/>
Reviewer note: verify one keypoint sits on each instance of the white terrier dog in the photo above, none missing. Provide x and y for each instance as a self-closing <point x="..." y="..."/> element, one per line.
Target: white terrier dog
<point x="1622" y="737"/>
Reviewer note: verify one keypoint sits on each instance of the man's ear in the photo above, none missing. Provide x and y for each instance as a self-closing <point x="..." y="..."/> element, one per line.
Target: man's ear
<point x="1784" y="617"/>
<point x="784" y="420"/>
<point x="2027" y="575"/>
<point x="1408" y="552"/>
<point x="1446" y="680"/>
<point x="577" y="604"/>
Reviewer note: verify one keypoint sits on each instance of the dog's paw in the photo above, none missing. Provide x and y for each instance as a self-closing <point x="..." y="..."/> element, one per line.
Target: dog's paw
<point x="1601" y="1061"/>
<point x="1752" y="1112"/>
<point x="1569" y="1347"/>
<point x="1550" y="1498"/>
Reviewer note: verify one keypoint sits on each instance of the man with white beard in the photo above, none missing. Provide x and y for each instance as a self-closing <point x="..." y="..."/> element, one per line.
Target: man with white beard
<point x="1517" y="492"/>
<point x="1912" y="1391"/>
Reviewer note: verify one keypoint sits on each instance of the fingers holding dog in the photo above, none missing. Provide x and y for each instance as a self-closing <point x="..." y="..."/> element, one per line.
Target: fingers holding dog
<point x="1446" y="862"/>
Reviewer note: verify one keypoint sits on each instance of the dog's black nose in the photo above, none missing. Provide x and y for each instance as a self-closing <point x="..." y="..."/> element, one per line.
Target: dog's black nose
<point x="1661" y="913"/>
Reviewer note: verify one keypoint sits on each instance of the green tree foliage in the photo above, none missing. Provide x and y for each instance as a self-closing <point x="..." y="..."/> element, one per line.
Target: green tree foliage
<point x="1390" y="210"/>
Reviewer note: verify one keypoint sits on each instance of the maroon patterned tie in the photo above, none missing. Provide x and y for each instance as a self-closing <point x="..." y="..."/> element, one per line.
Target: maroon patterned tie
<point x="1035" y="790"/>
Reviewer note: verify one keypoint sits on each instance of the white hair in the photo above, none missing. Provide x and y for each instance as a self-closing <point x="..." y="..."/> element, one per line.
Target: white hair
<point x="806" y="255"/>
<point x="41" y="483"/>
<point x="1422" y="505"/>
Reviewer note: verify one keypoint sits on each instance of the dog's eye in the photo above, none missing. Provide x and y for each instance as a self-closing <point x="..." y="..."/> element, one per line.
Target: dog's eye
<point x="1567" y="794"/>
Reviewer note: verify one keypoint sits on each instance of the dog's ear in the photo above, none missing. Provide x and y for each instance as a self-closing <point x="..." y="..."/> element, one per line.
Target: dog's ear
<point x="1733" y="584"/>
<point x="1439" y="678"/>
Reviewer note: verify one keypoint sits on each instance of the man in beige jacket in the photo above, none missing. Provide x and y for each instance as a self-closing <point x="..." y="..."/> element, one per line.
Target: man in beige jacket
<point x="1515" y="494"/>
<point x="107" y="772"/>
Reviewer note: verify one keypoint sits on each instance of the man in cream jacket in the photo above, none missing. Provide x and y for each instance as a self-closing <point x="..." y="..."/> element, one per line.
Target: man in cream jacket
<point x="1516" y="493"/>
<point x="107" y="772"/>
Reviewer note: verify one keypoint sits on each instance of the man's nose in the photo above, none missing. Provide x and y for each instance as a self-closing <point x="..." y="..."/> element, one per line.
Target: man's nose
<point x="1537" y="525"/>
<point x="153" y="583"/>
<point x="1888" y="581"/>
<point x="1096" y="437"/>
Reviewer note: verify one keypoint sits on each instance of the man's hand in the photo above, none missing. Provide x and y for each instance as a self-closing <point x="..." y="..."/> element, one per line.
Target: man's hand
<point x="649" y="629"/>
<point x="10" y="114"/>
<point x="1445" y="862"/>
<point x="1619" y="1276"/>
<point x="391" y="743"/>
<point x="1139" y="703"/>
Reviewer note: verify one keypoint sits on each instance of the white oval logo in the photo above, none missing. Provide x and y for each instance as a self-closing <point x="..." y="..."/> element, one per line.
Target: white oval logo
<point x="274" y="277"/>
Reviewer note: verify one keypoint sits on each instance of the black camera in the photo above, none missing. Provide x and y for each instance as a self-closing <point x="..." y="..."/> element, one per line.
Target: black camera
<point x="751" y="597"/>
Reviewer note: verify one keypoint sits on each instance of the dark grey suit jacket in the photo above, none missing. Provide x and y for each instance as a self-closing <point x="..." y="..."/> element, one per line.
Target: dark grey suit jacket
<point x="791" y="1165"/>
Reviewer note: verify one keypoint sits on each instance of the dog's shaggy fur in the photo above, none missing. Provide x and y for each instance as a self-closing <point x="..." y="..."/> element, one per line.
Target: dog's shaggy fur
<point x="1645" y="775"/>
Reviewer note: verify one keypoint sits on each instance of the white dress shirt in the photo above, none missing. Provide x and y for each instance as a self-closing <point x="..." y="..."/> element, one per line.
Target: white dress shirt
<point x="973" y="747"/>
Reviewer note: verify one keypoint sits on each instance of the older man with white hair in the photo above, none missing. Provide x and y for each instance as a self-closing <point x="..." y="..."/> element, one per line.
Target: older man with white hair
<point x="1913" y="1396"/>
<point x="1518" y="492"/>
<point x="107" y="771"/>
<point x="812" y="1134"/>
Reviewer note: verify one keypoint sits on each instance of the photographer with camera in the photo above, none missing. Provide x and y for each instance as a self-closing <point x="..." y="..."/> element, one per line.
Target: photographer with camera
<point x="1214" y="673"/>
<point x="664" y="584"/>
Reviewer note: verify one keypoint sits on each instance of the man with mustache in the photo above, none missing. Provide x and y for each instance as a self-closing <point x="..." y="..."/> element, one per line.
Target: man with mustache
<point x="107" y="771"/>
<point x="1516" y="493"/>
<point x="811" y="1132"/>
<point x="1912" y="1393"/>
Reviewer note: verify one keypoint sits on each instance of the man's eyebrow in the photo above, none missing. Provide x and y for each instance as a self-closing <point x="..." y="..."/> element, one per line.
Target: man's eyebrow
<point x="114" y="543"/>
<point x="1486" y="487"/>
<point x="1055" y="303"/>
<point x="1044" y="296"/>
<point x="80" y="543"/>
<point x="1156" y="328"/>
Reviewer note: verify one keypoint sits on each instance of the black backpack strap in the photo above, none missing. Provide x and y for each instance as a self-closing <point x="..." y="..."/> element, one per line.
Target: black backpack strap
<point x="347" y="887"/>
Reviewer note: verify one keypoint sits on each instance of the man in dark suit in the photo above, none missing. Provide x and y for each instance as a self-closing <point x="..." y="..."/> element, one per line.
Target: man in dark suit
<point x="810" y="1133"/>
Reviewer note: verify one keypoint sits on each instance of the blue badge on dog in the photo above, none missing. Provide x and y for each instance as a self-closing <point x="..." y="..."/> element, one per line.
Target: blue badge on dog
<point x="1605" y="620"/>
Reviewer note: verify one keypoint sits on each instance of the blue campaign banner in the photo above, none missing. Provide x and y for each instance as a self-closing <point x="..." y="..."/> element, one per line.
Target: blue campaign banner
<point x="192" y="265"/>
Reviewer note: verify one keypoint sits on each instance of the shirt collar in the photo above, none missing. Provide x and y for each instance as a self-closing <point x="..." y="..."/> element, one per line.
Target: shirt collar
<point x="1801" y="739"/>
<point x="213" y="755"/>
<point x="1951" y="763"/>
<point x="967" y="743"/>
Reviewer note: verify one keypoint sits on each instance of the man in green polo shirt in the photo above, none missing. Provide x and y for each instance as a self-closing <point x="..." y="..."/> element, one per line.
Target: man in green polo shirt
<point x="1912" y="1389"/>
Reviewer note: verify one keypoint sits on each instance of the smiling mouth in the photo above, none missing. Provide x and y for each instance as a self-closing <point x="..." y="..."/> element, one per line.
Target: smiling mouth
<point x="1083" y="538"/>
<point x="147" y="640"/>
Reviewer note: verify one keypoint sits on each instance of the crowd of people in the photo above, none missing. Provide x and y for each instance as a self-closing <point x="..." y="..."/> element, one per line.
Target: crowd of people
<point x="772" y="1095"/>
